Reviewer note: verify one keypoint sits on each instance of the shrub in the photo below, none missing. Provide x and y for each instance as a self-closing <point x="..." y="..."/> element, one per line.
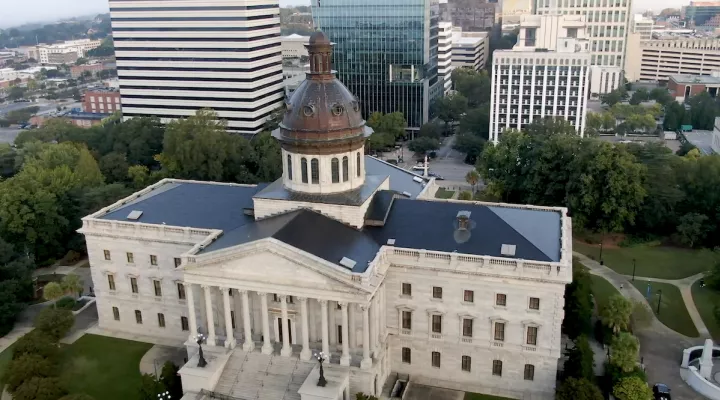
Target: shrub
<point x="580" y="360"/>
<point x="36" y="342"/>
<point x="40" y="389"/>
<point x="465" y="195"/>
<point x="632" y="388"/>
<point x="624" y="351"/>
<point x="613" y="375"/>
<point x="79" y="396"/>
<point x="25" y="367"/>
<point x="66" y="303"/>
<point x="171" y="380"/>
<point x="578" y="389"/>
<point x="55" y="322"/>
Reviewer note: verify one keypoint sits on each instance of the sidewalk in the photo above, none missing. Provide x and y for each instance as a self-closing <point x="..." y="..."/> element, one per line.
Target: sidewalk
<point x="12" y="337"/>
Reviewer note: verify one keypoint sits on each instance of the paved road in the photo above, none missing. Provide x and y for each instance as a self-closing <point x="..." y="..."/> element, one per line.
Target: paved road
<point x="660" y="347"/>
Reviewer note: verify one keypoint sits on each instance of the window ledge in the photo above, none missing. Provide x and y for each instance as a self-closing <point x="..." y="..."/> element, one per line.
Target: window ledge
<point x="436" y="300"/>
<point x="497" y="307"/>
<point x="533" y="311"/>
<point x="467" y="303"/>
<point x="406" y="296"/>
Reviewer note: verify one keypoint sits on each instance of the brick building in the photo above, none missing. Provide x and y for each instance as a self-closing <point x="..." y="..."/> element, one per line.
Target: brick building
<point x="77" y="70"/>
<point x="101" y="100"/>
<point x="682" y="87"/>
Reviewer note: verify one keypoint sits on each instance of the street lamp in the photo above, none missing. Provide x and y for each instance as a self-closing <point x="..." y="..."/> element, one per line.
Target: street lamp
<point x="601" y="246"/>
<point x="321" y="358"/>
<point x="164" y="396"/>
<point x="633" y="278"/>
<point x="659" y="301"/>
<point x="200" y="338"/>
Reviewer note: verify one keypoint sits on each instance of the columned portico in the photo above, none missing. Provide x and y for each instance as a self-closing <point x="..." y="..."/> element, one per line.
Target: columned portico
<point x="209" y="313"/>
<point x="267" y="347"/>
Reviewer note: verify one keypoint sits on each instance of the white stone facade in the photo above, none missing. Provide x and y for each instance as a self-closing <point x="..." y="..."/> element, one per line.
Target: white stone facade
<point x="324" y="173"/>
<point x="445" y="55"/>
<point x="657" y="59"/>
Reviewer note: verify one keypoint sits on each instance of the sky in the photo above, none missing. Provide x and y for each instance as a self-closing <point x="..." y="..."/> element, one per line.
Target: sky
<point x="18" y="12"/>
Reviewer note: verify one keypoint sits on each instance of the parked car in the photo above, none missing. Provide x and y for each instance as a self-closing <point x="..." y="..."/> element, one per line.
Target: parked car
<point x="661" y="391"/>
<point x="436" y="176"/>
<point x="418" y="167"/>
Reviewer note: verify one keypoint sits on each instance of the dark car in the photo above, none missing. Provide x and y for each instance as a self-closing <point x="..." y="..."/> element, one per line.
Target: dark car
<point x="436" y="176"/>
<point x="661" y="391"/>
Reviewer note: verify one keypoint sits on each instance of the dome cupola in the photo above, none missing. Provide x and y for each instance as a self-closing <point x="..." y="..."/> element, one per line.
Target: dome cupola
<point x="322" y="133"/>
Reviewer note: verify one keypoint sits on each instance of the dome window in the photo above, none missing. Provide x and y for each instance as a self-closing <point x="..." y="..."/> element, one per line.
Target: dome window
<point x="309" y="110"/>
<point x="337" y="109"/>
<point x="355" y="105"/>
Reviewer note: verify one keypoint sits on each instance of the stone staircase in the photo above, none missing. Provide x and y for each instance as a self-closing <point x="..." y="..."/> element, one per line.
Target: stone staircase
<point x="257" y="376"/>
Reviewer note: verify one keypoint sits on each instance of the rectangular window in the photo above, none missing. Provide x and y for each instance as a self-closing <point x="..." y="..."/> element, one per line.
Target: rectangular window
<point x="111" y="282"/>
<point x="232" y="318"/>
<point x="107" y="254"/>
<point x="133" y="285"/>
<point x="497" y="367"/>
<point x="339" y="333"/>
<point x="532" y="335"/>
<point x="291" y="300"/>
<point x="437" y="292"/>
<point x="153" y="260"/>
<point x="467" y="327"/>
<point x="130" y="258"/>
<point x="178" y="261"/>
<point x="406" y="355"/>
<point x="468" y="296"/>
<point x="534" y="303"/>
<point x="116" y="314"/>
<point x="138" y="316"/>
<point x="499" y="331"/>
<point x="406" y="289"/>
<point x="184" y="323"/>
<point x="161" y="320"/>
<point x="181" y="291"/>
<point x="437" y="323"/>
<point x="500" y="300"/>
<point x="436" y="359"/>
<point x="466" y="363"/>
<point x="529" y="372"/>
<point x="276" y="298"/>
<point x="407" y="319"/>
<point x="158" y="288"/>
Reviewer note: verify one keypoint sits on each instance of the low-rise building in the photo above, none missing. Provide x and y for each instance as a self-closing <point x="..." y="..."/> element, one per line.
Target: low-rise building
<point x="546" y="74"/>
<point x="445" y="55"/>
<point x="684" y="86"/>
<point x="77" y="70"/>
<point x="62" y="53"/>
<point x="656" y="59"/>
<point x="85" y="119"/>
<point x="101" y="100"/>
<point x="293" y="46"/>
<point x="469" y="49"/>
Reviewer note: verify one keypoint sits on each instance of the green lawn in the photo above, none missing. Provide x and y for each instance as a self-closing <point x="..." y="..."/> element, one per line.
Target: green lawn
<point x="602" y="290"/>
<point x="652" y="261"/>
<point x="102" y="367"/>
<point x="442" y="193"/>
<point x="672" y="309"/>
<point x="705" y="300"/>
<point x="478" y="396"/>
<point x="5" y="358"/>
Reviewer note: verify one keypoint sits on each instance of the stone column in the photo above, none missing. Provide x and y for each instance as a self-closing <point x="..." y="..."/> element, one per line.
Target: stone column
<point x="313" y="322"/>
<point x="229" y="335"/>
<point x="367" y="361"/>
<point x="192" y="321"/>
<point x="249" y="344"/>
<point x="706" y="363"/>
<point x="286" y="349"/>
<point x="373" y="325"/>
<point x="351" y="327"/>
<point x="305" y="354"/>
<point x="686" y="358"/>
<point x="210" y="318"/>
<point x="325" y="339"/>
<point x="332" y="331"/>
<point x="345" y="359"/>
<point x="267" y="347"/>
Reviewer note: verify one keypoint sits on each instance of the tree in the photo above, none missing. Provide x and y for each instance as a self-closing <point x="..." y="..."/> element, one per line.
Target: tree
<point x="580" y="360"/>
<point x="614" y="97"/>
<point x="81" y="61"/>
<point x="475" y="86"/>
<point x="450" y="108"/>
<point x="476" y="121"/>
<point x="550" y="126"/>
<point x="624" y="350"/>
<point x="465" y="195"/>
<point x="25" y="367"/>
<point x="578" y="305"/>
<point x="616" y="313"/>
<point x="150" y="387"/>
<point x="114" y="167"/>
<point x="692" y="229"/>
<point x="578" y="389"/>
<point x="473" y="178"/>
<point x="661" y="96"/>
<point x="632" y="388"/>
<point x="171" y="380"/>
<point x="392" y="124"/>
<point x="703" y="110"/>
<point x="55" y="322"/>
<point x="269" y="162"/>
<point x="52" y="291"/>
<point x="275" y="118"/>
<point x="430" y="130"/>
<point x="469" y="144"/>
<point x="139" y="175"/>
<point x="72" y="284"/>
<point x="639" y="96"/>
<point x="38" y="388"/>
<point x="16" y="92"/>
<point x="81" y="396"/>
<point x="423" y="145"/>
<point x="38" y="343"/>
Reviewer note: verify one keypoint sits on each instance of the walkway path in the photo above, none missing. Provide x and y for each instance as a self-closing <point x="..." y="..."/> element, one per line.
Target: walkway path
<point x="154" y="359"/>
<point x="661" y="347"/>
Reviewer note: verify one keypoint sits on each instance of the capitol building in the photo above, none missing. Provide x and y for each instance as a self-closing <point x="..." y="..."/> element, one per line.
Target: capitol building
<point x="344" y="254"/>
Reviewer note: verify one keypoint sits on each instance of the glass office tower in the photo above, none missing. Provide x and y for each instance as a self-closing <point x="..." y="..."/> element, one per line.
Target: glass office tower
<point x="386" y="52"/>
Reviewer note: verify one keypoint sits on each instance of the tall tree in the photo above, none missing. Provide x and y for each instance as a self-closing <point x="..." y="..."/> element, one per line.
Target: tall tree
<point x="474" y="85"/>
<point x="632" y="388"/>
<point x="450" y="108"/>
<point x="616" y="313"/>
<point x="578" y="389"/>
<point x="476" y="121"/>
<point x="392" y="124"/>
<point x="550" y="126"/>
<point x="624" y="350"/>
<point x="579" y="363"/>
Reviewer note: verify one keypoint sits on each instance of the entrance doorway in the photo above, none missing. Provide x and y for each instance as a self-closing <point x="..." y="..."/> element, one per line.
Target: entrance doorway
<point x="281" y="327"/>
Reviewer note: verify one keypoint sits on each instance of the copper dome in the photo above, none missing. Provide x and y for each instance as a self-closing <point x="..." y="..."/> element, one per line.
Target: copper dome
<point x="321" y="109"/>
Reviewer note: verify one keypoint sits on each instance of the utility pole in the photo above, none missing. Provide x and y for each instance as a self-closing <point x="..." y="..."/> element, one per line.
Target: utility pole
<point x="633" y="278"/>
<point x="659" y="301"/>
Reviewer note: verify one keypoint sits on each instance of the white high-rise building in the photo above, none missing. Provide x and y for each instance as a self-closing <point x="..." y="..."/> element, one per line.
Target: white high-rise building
<point x="176" y="57"/>
<point x="643" y="26"/>
<point x="445" y="54"/>
<point x="608" y="22"/>
<point x="470" y="49"/>
<point x="544" y="75"/>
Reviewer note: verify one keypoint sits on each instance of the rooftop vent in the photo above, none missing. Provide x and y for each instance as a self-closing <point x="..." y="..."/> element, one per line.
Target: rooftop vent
<point x="418" y="179"/>
<point x="407" y="194"/>
<point x="463" y="219"/>
<point x="135" y="215"/>
<point x="463" y="224"/>
<point x="508" y="250"/>
<point x="391" y="242"/>
<point x="347" y="263"/>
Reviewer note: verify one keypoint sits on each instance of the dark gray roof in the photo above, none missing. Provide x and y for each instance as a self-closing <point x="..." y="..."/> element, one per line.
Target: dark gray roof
<point x="380" y="205"/>
<point x="330" y="240"/>
<point x="191" y="204"/>
<point x="432" y="225"/>
<point x="356" y="197"/>
<point x="400" y="180"/>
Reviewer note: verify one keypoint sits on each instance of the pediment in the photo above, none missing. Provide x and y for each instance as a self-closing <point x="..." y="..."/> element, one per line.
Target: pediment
<point x="271" y="265"/>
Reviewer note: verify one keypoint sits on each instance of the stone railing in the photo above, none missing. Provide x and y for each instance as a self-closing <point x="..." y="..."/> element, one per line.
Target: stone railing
<point x="148" y="231"/>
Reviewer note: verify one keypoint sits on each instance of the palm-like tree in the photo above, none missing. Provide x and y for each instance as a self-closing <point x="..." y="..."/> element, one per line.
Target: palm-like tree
<point x="616" y="313"/>
<point x="72" y="283"/>
<point x="472" y="178"/>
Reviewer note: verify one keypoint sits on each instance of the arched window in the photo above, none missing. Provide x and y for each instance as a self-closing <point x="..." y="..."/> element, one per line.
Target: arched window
<point x="289" y="166"/>
<point x="346" y="169"/>
<point x="335" y="169"/>
<point x="303" y="167"/>
<point x="357" y="167"/>
<point x="315" y="170"/>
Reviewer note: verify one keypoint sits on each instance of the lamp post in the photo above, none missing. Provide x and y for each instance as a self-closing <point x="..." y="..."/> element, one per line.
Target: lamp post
<point x="321" y="358"/>
<point x="164" y="396"/>
<point x="659" y="301"/>
<point x="633" y="278"/>
<point x="200" y="338"/>
<point x="601" y="247"/>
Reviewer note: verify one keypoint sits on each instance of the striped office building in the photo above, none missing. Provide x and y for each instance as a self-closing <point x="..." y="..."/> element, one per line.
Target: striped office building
<point x="177" y="56"/>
